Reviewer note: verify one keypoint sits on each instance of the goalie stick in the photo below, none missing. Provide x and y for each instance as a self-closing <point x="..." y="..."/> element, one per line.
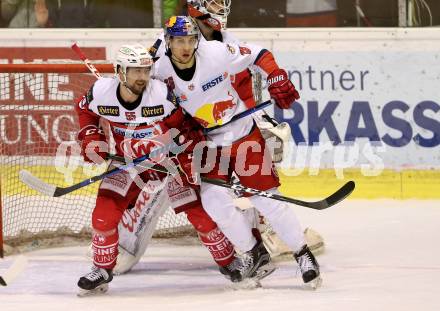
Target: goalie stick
<point x="331" y="200"/>
<point x="13" y="271"/>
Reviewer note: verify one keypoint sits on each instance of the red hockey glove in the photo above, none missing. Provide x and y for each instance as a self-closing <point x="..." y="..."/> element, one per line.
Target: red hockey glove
<point x="190" y="176"/>
<point x="192" y="132"/>
<point x="281" y="89"/>
<point x="94" y="148"/>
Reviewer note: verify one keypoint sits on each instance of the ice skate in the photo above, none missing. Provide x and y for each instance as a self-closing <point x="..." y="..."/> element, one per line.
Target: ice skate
<point x="309" y="268"/>
<point x="231" y="271"/>
<point x="94" y="282"/>
<point x="256" y="265"/>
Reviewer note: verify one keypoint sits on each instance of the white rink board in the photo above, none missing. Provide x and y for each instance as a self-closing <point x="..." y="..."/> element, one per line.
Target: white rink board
<point x="380" y="255"/>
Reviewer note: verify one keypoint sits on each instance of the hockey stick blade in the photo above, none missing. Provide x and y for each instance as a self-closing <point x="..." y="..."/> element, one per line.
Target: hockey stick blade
<point x="333" y="199"/>
<point x="14" y="270"/>
<point x="47" y="189"/>
<point x="37" y="184"/>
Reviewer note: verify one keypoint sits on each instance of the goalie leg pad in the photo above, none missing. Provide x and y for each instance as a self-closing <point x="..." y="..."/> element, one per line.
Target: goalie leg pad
<point x="221" y="249"/>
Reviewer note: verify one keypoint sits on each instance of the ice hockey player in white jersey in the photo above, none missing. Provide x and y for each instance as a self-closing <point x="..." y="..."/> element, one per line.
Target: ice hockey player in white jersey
<point x="211" y="16"/>
<point x="199" y="72"/>
<point x="138" y="113"/>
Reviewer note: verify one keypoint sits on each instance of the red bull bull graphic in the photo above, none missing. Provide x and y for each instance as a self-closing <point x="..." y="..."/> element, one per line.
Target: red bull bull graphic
<point x="210" y="115"/>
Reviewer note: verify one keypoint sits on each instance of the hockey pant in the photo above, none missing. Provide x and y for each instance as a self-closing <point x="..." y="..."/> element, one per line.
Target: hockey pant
<point x="252" y="164"/>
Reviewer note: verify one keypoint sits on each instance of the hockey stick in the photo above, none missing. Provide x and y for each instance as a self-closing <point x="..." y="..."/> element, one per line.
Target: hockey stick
<point x="331" y="200"/>
<point x="242" y="115"/>
<point x="13" y="271"/>
<point x="53" y="191"/>
<point x="86" y="61"/>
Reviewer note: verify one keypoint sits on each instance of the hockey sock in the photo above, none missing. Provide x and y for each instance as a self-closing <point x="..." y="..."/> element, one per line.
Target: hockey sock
<point x="105" y="249"/>
<point x="221" y="249"/>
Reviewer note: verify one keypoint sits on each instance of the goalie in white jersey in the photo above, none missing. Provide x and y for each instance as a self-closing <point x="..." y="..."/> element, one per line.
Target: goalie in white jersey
<point x="199" y="72"/>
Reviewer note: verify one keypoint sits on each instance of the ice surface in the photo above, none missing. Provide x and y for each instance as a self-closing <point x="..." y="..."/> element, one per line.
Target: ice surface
<point x="380" y="255"/>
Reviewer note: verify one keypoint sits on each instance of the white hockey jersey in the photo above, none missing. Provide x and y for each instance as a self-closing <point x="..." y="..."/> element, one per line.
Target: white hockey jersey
<point x="209" y="97"/>
<point x="137" y="128"/>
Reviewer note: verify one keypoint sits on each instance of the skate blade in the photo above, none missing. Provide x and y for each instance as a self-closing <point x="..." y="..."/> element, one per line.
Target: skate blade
<point x="314" y="284"/>
<point x="246" y="284"/>
<point x="99" y="290"/>
<point x="264" y="271"/>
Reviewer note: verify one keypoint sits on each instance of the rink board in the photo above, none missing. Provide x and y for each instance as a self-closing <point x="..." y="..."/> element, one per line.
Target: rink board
<point x="352" y="88"/>
<point x="418" y="184"/>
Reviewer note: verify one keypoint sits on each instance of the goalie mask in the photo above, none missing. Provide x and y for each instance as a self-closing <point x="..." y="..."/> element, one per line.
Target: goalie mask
<point x="131" y="55"/>
<point x="213" y="13"/>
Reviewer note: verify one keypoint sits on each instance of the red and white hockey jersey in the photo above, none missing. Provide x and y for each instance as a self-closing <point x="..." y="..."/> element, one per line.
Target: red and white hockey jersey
<point x="242" y="81"/>
<point x="137" y="128"/>
<point x="209" y="97"/>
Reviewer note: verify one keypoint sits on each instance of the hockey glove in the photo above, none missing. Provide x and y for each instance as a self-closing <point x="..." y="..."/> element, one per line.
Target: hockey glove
<point x="281" y="89"/>
<point x="191" y="176"/>
<point x="191" y="132"/>
<point x="94" y="147"/>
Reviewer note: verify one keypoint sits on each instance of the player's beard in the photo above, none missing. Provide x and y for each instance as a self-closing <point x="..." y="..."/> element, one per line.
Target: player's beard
<point x="137" y="87"/>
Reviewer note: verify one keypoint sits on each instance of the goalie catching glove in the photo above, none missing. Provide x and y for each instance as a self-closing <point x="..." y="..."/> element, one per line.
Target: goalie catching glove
<point x="281" y="89"/>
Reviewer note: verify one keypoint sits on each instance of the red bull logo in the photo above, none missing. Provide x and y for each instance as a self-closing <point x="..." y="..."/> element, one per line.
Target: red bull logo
<point x="210" y="115"/>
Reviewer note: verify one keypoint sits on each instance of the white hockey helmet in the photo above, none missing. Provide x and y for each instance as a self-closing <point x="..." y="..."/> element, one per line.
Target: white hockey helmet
<point x="203" y="10"/>
<point x="132" y="55"/>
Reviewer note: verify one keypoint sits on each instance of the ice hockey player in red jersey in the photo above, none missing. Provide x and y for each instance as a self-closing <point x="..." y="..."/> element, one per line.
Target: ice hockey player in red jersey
<point x="199" y="72"/>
